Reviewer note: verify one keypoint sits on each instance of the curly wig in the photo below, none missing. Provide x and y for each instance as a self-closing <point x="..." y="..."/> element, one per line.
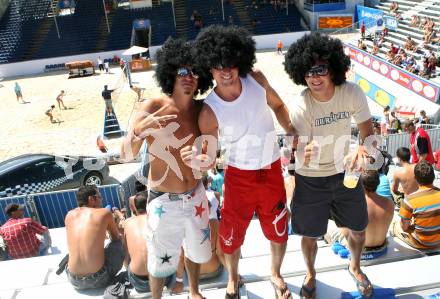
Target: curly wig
<point x="174" y="54"/>
<point x="226" y="46"/>
<point x="314" y="47"/>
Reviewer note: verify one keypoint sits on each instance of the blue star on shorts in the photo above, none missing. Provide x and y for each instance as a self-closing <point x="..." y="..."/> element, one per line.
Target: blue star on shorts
<point x="159" y="211"/>
<point x="206" y="234"/>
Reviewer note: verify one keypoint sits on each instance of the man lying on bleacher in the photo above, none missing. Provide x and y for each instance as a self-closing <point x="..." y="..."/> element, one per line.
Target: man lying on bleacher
<point x="380" y="215"/>
<point x="20" y="234"/>
<point x="90" y="265"/>
<point x="419" y="226"/>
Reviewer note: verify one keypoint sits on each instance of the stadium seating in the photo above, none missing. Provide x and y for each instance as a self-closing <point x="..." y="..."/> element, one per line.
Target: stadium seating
<point x="407" y="8"/>
<point x="269" y="20"/>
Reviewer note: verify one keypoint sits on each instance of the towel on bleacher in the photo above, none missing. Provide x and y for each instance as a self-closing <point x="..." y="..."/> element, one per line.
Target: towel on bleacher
<point x="379" y="293"/>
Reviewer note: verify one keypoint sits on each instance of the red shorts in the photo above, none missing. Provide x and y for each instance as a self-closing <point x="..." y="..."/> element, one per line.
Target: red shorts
<point x="248" y="191"/>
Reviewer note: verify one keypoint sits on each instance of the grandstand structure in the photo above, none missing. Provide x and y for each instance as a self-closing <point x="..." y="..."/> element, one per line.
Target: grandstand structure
<point x="41" y="29"/>
<point x="408" y="8"/>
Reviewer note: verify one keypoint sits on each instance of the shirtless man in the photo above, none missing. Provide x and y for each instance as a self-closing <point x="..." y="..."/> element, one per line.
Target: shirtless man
<point x="60" y="100"/>
<point x="404" y="181"/>
<point x="177" y="204"/>
<point x="91" y="265"/>
<point x="135" y="233"/>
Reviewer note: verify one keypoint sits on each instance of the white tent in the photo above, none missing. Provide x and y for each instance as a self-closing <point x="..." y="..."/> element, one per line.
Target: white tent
<point x="134" y="50"/>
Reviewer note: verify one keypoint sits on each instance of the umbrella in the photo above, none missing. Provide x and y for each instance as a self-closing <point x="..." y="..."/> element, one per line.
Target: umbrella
<point x="134" y="50"/>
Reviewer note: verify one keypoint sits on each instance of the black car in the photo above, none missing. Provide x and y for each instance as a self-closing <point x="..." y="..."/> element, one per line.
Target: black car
<point x="35" y="173"/>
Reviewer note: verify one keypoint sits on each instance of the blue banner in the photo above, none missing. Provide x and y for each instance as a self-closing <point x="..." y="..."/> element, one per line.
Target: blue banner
<point x="141" y="24"/>
<point x="375" y="92"/>
<point x="368" y="16"/>
<point x="390" y="22"/>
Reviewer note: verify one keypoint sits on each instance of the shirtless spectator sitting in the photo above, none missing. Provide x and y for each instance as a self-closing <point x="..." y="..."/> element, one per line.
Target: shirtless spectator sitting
<point x="138" y="187"/>
<point x="135" y="236"/>
<point x="410" y="45"/>
<point x="91" y="265"/>
<point x="380" y="215"/>
<point x="20" y="234"/>
<point x="415" y="21"/>
<point x="419" y="221"/>
<point x="404" y="181"/>
<point x="394" y="7"/>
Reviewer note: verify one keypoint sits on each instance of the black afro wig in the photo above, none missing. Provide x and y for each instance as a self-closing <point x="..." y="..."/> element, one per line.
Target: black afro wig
<point x="174" y="54"/>
<point x="314" y="47"/>
<point x="230" y="46"/>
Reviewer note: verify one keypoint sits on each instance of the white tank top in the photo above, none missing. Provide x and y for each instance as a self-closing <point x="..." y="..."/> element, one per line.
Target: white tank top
<point x="246" y="128"/>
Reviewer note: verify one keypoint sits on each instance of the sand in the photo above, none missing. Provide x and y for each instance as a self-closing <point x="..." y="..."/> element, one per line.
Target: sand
<point x="26" y="129"/>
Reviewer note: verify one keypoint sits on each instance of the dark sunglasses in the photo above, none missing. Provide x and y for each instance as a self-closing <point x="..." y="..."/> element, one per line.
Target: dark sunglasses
<point x="185" y="72"/>
<point x="220" y="67"/>
<point x="320" y="70"/>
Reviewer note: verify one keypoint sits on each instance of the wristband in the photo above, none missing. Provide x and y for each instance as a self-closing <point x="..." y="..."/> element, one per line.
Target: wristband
<point x="178" y="279"/>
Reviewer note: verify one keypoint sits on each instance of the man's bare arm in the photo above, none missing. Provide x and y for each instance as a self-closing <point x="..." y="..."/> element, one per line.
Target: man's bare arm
<point x="111" y="227"/>
<point x="406" y="225"/>
<point x="395" y="185"/>
<point x="275" y="103"/>
<point x="208" y="126"/>
<point x="147" y="118"/>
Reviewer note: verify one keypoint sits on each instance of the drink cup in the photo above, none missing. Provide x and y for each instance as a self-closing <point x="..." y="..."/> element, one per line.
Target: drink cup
<point x="351" y="176"/>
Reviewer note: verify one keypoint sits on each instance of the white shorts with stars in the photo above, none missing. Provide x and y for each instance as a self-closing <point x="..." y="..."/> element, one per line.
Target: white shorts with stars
<point x="173" y="221"/>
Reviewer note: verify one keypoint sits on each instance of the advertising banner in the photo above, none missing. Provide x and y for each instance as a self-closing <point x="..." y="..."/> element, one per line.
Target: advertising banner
<point x="139" y="24"/>
<point x="330" y="22"/>
<point x="369" y="16"/>
<point x="414" y="83"/>
<point x="390" y="22"/>
<point x="375" y="92"/>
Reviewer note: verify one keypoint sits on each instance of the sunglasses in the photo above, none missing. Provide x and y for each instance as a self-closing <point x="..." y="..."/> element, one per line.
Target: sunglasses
<point x="320" y="70"/>
<point x="185" y="72"/>
<point x="220" y="67"/>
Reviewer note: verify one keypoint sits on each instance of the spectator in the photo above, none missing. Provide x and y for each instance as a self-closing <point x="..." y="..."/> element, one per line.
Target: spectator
<point x="139" y="188"/>
<point x="415" y="21"/>
<point x="410" y="45"/>
<point x="404" y="181"/>
<point x="362" y="45"/>
<point x="231" y="20"/>
<point x="437" y="160"/>
<point x="107" y="66"/>
<point x="327" y="90"/>
<point x="363" y="30"/>
<point x="217" y="177"/>
<point x="375" y="49"/>
<point x="419" y="223"/>
<point x="177" y="203"/>
<point x="100" y="64"/>
<point x="90" y="265"/>
<point x="394" y="48"/>
<point x="380" y="215"/>
<point x="394" y="6"/>
<point x="423" y="119"/>
<point x="420" y="143"/>
<point x="395" y="124"/>
<point x="20" y="234"/>
<point x="135" y="239"/>
<point x="18" y="93"/>
<point x="383" y="189"/>
<point x="60" y="100"/>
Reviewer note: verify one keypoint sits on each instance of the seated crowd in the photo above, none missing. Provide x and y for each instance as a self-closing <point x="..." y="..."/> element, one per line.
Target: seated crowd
<point x="404" y="55"/>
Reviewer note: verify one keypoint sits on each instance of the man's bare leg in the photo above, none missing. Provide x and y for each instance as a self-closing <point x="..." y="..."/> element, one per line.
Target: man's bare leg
<point x="356" y="241"/>
<point x="193" y="271"/>
<point x="231" y="262"/>
<point x="309" y="249"/>
<point x="278" y="251"/>
<point x="156" y="287"/>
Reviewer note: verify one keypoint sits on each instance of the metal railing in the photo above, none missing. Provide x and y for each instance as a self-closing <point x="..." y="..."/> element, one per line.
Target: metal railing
<point x="394" y="141"/>
<point x="50" y="208"/>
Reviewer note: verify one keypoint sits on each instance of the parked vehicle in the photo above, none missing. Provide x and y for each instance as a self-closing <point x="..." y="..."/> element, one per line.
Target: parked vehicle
<point x="35" y="173"/>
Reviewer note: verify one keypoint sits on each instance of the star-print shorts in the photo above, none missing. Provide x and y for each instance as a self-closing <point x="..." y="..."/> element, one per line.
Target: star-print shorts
<point x="176" y="220"/>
